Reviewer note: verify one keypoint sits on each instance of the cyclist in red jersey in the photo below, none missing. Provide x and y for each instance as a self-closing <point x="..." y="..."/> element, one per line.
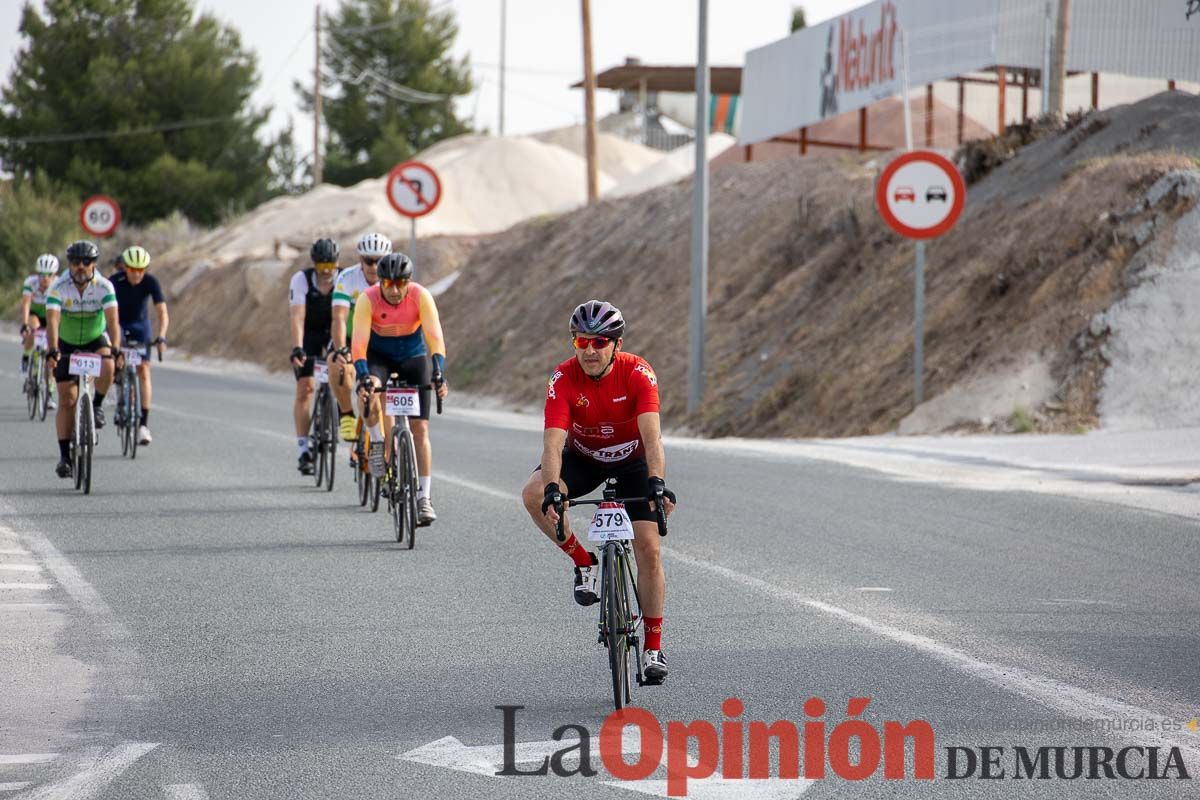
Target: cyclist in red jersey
<point x="602" y="421"/>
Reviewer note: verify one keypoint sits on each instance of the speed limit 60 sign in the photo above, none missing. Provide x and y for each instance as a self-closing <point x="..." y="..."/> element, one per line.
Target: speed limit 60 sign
<point x="100" y="215"/>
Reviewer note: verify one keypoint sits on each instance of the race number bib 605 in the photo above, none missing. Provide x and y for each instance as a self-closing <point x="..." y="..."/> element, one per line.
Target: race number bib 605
<point x="610" y="523"/>
<point x="84" y="364"/>
<point x="133" y="358"/>
<point x="402" y="403"/>
<point x="321" y="372"/>
<point x="39" y="339"/>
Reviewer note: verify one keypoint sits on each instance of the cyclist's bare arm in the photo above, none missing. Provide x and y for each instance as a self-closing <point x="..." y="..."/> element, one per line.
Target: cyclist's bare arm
<point x="553" y="440"/>
<point x="160" y="310"/>
<point x="26" y="302"/>
<point x="53" y="317"/>
<point x="114" y="326"/>
<point x="650" y="427"/>
<point x="340" y="313"/>
<point x="296" y="315"/>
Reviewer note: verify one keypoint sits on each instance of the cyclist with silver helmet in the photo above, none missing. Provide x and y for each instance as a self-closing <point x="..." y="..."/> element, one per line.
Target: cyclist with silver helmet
<point x="397" y="329"/>
<point x="310" y="308"/>
<point x="134" y="287"/>
<point x="33" y="307"/>
<point x="352" y="282"/>
<point x="81" y="316"/>
<point x="602" y="421"/>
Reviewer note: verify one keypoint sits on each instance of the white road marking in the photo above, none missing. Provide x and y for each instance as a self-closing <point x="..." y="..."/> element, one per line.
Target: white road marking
<point x="874" y="589"/>
<point x="14" y="552"/>
<point x="6" y="606"/>
<point x="1071" y="701"/>
<point x="20" y="567"/>
<point x="449" y="753"/>
<point x="93" y="779"/>
<point x="38" y="587"/>
<point x="13" y="786"/>
<point x="478" y="487"/>
<point x="14" y="759"/>
<point x="185" y="791"/>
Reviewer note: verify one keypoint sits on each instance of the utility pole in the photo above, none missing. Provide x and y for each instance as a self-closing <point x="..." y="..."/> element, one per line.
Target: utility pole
<point x="317" y="166"/>
<point x="589" y="106"/>
<point x="1058" y="70"/>
<point x="503" y="23"/>
<point x="699" y="305"/>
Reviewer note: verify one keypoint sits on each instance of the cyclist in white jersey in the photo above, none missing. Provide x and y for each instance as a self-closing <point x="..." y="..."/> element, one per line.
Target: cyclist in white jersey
<point x="350" y="283"/>
<point x="33" y="308"/>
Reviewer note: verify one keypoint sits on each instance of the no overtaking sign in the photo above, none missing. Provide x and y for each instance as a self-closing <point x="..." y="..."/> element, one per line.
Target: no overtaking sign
<point x="920" y="195"/>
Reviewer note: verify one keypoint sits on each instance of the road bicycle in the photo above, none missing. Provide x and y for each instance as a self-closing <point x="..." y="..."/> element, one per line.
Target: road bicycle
<point x="39" y="380"/>
<point x="323" y="431"/>
<point x="129" y="396"/>
<point x="85" y="367"/>
<point x="400" y="482"/>
<point x="620" y="608"/>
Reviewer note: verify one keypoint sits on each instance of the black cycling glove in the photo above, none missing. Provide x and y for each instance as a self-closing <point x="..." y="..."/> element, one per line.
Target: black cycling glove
<point x="553" y="497"/>
<point x="659" y="487"/>
<point x="298" y="353"/>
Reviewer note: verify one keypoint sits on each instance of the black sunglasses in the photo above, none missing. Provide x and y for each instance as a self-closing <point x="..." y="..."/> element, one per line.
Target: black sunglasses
<point x="85" y="261"/>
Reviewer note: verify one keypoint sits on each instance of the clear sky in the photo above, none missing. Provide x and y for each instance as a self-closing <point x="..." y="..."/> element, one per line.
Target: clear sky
<point x="544" y="52"/>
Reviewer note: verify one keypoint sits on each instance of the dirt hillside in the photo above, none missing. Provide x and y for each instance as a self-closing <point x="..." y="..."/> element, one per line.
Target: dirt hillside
<point x="810" y="295"/>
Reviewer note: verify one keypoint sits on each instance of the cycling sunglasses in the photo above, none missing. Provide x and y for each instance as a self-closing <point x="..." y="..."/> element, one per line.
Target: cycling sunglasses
<point x="397" y="283"/>
<point x="84" y="261"/>
<point x="370" y="262"/>
<point x="326" y="266"/>
<point x="598" y="342"/>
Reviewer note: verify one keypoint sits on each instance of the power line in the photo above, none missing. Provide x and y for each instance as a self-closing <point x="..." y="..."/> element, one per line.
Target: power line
<point x="83" y="136"/>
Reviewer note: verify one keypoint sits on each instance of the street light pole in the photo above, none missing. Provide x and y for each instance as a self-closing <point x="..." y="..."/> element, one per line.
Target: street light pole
<point x="699" y="309"/>
<point x="503" y="37"/>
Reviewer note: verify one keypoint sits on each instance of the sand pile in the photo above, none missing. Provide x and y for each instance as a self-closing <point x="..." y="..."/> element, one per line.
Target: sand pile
<point x="488" y="185"/>
<point x="677" y="165"/>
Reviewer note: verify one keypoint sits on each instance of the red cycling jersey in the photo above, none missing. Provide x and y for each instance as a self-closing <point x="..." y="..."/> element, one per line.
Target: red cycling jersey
<point x="600" y="417"/>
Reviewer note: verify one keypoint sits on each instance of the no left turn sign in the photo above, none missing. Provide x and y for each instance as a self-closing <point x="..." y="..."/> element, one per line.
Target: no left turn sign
<point x="413" y="189"/>
<point x="920" y="195"/>
<point x="100" y="215"/>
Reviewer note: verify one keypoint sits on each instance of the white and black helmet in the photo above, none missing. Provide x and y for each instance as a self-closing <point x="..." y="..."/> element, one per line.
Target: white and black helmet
<point x="374" y="245"/>
<point x="598" y="318"/>
<point x="47" y="264"/>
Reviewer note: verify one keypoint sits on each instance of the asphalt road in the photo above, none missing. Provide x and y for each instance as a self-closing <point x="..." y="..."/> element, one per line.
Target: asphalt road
<point x="206" y="624"/>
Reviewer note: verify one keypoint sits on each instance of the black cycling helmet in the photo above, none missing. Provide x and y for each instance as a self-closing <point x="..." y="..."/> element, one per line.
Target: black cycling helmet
<point x="598" y="318"/>
<point x="395" y="267"/>
<point x="325" y="251"/>
<point x="83" y="250"/>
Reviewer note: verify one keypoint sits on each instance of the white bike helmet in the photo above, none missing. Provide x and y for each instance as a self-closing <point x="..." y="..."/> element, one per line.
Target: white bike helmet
<point x="47" y="264"/>
<point x="374" y="245"/>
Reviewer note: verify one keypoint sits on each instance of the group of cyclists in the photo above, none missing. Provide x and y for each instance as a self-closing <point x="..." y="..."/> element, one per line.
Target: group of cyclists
<point x="371" y="321"/>
<point x="82" y="311"/>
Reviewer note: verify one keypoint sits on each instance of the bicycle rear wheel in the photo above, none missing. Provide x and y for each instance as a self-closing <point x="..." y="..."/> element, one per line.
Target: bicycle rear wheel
<point x="362" y="477"/>
<point x="397" y="502"/>
<point x="314" y="437"/>
<point x="330" y="440"/>
<point x="33" y="387"/>
<point x="133" y="413"/>
<point x="120" y="417"/>
<point x="616" y="625"/>
<point x="86" y="440"/>
<point x="48" y="385"/>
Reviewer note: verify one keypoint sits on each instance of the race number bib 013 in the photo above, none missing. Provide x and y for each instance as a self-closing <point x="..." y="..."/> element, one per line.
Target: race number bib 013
<point x="133" y="358"/>
<point x="610" y="523"/>
<point x="39" y="339"/>
<point x="402" y="403"/>
<point x="321" y="372"/>
<point x="84" y="364"/>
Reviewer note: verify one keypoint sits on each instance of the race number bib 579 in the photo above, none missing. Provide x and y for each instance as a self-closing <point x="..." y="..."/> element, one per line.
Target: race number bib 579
<point x="610" y="523"/>
<point x="84" y="364"/>
<point x="401" y="403"/>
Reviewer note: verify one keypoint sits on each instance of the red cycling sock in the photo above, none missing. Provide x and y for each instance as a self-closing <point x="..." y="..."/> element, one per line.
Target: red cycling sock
<point x="653" y="632"/>
<point x="578" y="553"/>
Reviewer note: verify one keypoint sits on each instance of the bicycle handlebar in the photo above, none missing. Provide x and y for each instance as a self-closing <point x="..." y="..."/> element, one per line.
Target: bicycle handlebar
<point x="418" y="387"/>
<point x="660" y="511"/>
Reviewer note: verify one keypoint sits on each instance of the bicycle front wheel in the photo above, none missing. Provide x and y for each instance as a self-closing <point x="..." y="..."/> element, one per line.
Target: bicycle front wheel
<point x="133" y="414"/>
<point x="33" y="388"/>
<point x="86" y="441"/>
<point x="314" y="438"/>
<point x="48" y="386"/>
<point x="398" y="483"/>
<point x="408" y="484"/>
<point x="330" y="436"/>
<point x="616" y="624"/>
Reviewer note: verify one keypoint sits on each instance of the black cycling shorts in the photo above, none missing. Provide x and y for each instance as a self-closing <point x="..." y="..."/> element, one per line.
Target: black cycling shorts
<point x="137" y="332"/>
<point x="416" y="371"/>
<point x="61" y="371"/>
<point x="583" y="475"/>
<point x="41" y="320"/>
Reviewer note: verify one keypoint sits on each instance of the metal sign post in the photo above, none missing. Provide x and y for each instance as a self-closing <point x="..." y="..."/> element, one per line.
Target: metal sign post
<point x="699" y="224"/>
<point x="919" y="268"/>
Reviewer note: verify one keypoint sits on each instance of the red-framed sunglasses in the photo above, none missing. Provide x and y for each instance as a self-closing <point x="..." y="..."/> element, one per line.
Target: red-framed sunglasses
<point x="598" y="342"/>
